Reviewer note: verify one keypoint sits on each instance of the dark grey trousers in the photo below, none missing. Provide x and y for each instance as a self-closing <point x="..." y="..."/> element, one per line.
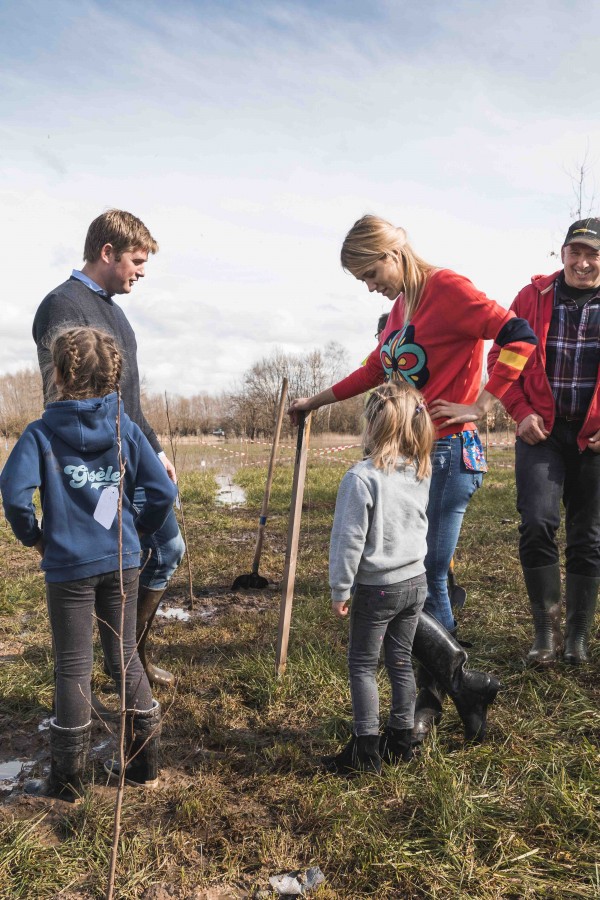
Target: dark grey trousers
<point x="71" y="607"/>
<point x="384" y="616"/>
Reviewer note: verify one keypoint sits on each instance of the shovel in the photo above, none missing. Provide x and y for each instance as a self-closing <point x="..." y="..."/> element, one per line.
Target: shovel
<point x="253" y="580"/>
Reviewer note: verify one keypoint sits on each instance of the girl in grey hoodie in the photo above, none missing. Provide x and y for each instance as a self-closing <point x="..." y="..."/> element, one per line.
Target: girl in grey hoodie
<point x="377" y="555"/>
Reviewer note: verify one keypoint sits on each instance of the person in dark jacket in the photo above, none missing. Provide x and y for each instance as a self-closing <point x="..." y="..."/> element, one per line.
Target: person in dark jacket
<point x="115" y="253"/>
<point x="90" y="553"/>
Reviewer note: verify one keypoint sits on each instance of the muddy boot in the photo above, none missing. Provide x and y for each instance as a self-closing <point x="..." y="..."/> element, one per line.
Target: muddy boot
<point x="69" y="748"/>
<point x="471" y="691"/>
<point x="581" y="597"/>
<point x="543" y="589"/>
<point x="360" y="755"/>
<point x="142" y="742"/>
<point x="147" y="605"/>
<point x="396" y="745"/>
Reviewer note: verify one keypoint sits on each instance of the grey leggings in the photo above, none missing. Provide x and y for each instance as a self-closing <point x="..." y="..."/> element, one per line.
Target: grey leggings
<point x="71" y="607"/>
<point x="385" y="616"/>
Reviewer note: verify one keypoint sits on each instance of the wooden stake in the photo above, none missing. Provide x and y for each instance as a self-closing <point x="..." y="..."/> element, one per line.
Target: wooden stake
<point x="291" y="553"/>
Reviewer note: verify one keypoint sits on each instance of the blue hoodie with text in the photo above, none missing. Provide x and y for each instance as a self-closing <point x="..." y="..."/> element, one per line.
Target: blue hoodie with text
<point x="71" y="454"/>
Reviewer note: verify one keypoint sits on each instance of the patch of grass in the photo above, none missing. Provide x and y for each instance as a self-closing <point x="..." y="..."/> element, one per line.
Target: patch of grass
<point x="242" y="795"/>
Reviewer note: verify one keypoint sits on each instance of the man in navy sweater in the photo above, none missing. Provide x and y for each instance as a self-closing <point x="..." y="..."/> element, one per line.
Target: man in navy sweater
<point x="115" y="253"/>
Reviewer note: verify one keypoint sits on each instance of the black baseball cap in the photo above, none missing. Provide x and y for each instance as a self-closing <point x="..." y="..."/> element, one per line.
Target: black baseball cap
<point x="585" y="231"/>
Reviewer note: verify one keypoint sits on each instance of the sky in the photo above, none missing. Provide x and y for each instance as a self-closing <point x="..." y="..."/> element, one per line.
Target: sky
<point x="249" y="136"/>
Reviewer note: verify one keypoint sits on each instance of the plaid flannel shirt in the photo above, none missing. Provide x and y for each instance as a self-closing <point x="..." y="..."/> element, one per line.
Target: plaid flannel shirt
<point x="573" y="352"/>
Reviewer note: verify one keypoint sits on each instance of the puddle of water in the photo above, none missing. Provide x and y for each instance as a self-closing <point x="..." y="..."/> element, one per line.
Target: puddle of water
<point x="10" y="771"/>
<point x="229" y="493"/>
<point x="208" y="612"/>
<point x="172" y="612"/>
<point x="102" y="746"/>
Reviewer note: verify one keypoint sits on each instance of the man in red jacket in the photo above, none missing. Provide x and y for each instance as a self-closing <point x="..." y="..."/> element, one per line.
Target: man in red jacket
<point x="556" y="405"/>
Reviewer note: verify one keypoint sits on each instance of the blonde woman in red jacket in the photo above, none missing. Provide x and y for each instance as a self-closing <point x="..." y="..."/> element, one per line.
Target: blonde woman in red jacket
<point x="434" y="340"/>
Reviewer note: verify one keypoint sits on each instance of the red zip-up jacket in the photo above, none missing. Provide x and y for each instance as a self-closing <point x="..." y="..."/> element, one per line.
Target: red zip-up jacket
<point x="532" y="393"/>
<point x="440" y="351"/>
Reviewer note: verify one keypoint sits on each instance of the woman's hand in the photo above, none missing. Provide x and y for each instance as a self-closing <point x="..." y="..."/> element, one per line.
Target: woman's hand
<point x="39" y="547"/>
<point x="455" y="413"/>
<point x="340" y="608"/>
<point x="302" y="404"/>
<point x="459" y="413"/>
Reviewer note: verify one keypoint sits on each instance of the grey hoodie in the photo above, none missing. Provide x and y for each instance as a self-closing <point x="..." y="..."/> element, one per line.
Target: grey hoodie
<point x="379" y="533"/>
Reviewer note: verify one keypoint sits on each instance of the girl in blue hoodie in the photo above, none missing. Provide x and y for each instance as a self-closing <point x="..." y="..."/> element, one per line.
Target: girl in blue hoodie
<point x="72" y="455"/>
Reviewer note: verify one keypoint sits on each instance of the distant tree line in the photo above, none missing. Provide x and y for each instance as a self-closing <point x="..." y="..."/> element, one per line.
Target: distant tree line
<point x="247" y="411"/>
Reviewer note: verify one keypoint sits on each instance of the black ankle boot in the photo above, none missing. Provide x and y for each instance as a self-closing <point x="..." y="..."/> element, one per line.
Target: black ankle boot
<point x="359" y="756"/>
<point x="142" y="741"/>
<point x="396" y="745"/>
<point x="444" y="658"/>
<point x="581" y="598"/>
<point x="69" y="748"/>
<point x="543" y="590"/>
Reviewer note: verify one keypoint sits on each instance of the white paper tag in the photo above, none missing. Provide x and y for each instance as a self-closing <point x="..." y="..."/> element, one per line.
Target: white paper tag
<point x="106" y="507"/>
<point x="177" y="501"/>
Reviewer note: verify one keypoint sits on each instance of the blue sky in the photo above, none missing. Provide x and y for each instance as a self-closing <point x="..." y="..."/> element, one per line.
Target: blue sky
<point x="250" y="136"/>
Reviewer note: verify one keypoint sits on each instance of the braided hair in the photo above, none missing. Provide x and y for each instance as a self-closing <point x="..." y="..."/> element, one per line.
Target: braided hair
<point x="87" y="363"/>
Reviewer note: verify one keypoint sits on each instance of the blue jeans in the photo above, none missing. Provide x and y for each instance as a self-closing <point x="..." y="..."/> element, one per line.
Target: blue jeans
<point x="385" y="616"/>
<point x="161" y="552"/>
<point x="452" y="486"/>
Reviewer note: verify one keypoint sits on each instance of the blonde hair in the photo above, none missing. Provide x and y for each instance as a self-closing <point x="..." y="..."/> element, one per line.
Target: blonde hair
<point x="371" y="239"/>
<point x="398" y="425"/>
<point x="124" y="231"/>
<point x="88" y="363"/>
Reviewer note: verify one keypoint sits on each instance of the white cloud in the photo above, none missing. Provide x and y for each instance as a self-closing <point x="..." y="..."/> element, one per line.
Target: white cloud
<point x="249" y="138"/>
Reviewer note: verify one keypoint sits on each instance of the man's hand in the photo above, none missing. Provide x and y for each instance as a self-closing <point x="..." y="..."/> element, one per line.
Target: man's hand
<point x="532" y="430"/>
<point x="339" y="608"/>
<point x="169" y="467"/>
<point x="594" y="443"/>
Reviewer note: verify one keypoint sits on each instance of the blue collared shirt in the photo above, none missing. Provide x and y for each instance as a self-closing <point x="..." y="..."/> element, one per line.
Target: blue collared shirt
<point x="88" y="281"/>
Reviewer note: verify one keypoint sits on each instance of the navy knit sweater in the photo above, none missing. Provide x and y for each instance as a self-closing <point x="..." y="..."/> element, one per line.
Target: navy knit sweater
<point x="74" y="303"/>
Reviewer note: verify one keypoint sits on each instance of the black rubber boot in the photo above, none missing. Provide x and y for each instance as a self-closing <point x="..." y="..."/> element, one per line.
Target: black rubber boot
<point x="471" y="691"/>
<point x="142" y="742"/>
<point x="429" y="703"/>
<point x="581" y="598"/>
<point x="543" y="589"/>
<point x="147" y="604"/>
<point x="359" y="756"/>
<point x="396" y="745"/>
<point x="69" y="748"/>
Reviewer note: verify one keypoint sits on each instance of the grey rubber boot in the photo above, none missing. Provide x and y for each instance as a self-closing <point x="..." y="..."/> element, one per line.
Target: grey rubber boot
<point x="440" y="654"/>
<point x="69" y="749"/>
<point x="359" y="756"/>
<point x="142" y="742"/>
<point x="147" y="604"/>
<point x="580" y="600"/>
<point x="543" y="589"/>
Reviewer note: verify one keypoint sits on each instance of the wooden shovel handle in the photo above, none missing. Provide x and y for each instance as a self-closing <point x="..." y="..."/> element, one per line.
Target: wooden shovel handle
<point x="267" y="495"/>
